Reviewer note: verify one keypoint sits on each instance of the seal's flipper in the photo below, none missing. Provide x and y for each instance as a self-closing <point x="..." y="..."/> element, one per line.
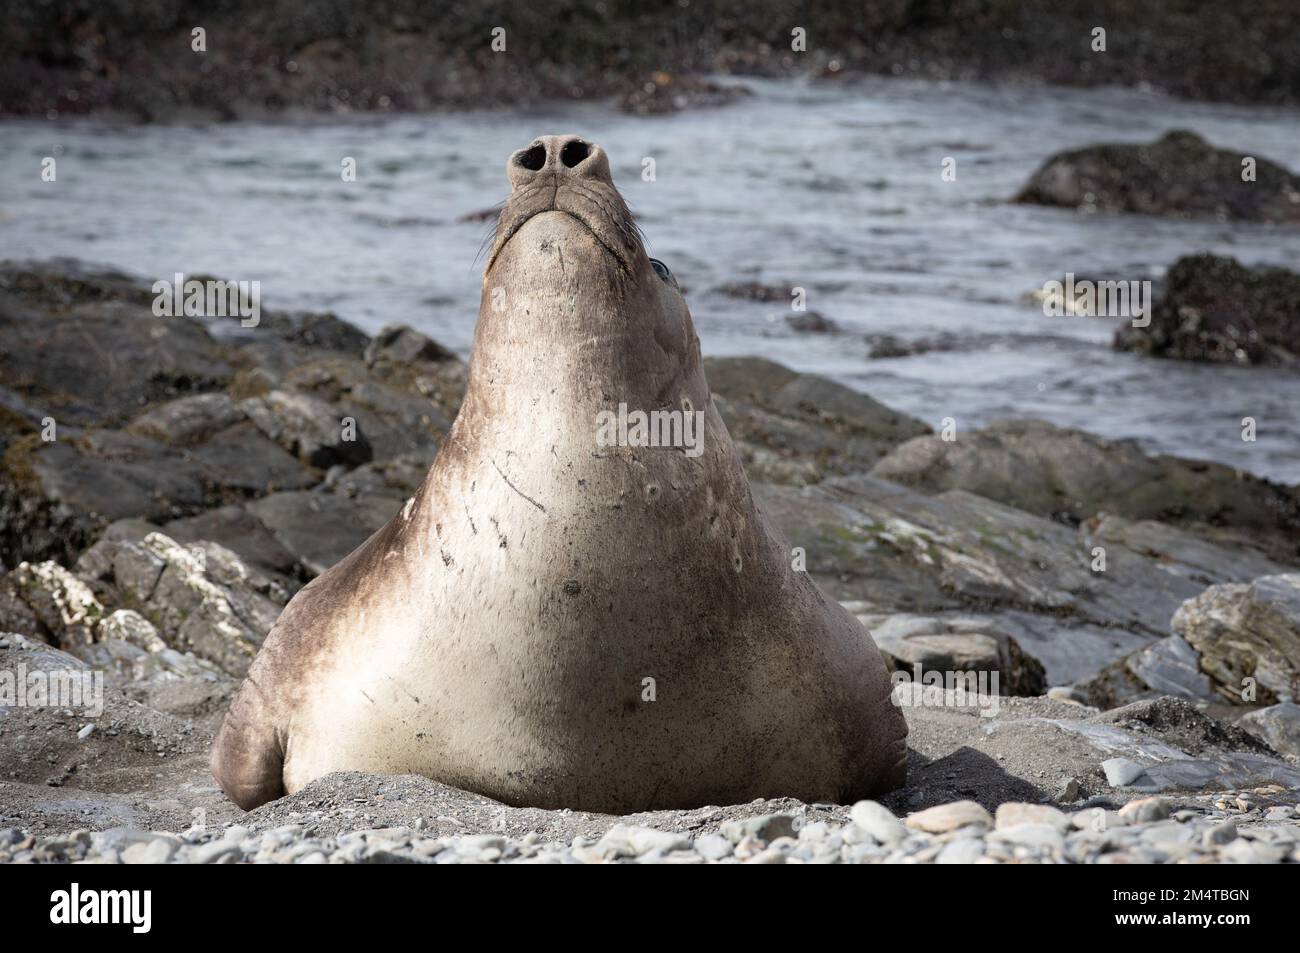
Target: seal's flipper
<point x="248" y="756"/>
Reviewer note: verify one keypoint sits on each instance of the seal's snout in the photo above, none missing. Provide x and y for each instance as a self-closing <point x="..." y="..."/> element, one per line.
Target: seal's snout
<point x="558" y="158"/>
<point x="569" y="174"/>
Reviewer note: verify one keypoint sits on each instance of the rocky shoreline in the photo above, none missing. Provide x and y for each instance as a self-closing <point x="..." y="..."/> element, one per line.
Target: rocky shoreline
<point x="139" y="60"/>
<point x="196" y="476"/>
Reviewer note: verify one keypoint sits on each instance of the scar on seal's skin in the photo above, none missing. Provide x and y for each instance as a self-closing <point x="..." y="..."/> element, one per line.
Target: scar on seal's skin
<point x="517" y="490"/>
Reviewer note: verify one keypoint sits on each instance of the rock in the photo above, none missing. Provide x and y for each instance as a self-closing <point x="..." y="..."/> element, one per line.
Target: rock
<point x="1043" y="837"/>
<point x="663" y="92"/>
<point x="66" y="351"/>
<point x="1249" y="631"/>
<point x="1167" y="667"/>
<point x="963" y="850"/>
<point x="309" y="428"/>
<point x="795" y="428"/>
<point x="1121" y="772"/>
<point x="158" y="850"/>
<point x="1179" y="175"/>
<point x="319" y="529"/>
<point x="188" y="420"/>
<point x="1014" y="813"/>
<point x="878" y="821"/>
<point x="1145" y="810"/>
<point x="756" y="291"/>
<point x="712" y="846"/>
<point x="875" y="542"/>
<point x="884" y="346"/>
<point x="239" y="531"/>
<point x="65" y="606"/>
<point x="957" y="644"/>
<point x="1220" y="834"/>
<point x="1278" y="725"/>
<point x="765" y="828"/>
<point x="811" y="322"/>
<point x="949" y="817"/>
<point x="1217" y="310"/>
<point x="401" y="344"/>
<point x="623" y="840"/>
<point x="401" y="408"/>
<point x="1072" y="476"/>
<point x="130" y="626"/>
<point x="15" y="614"/>
<point x="202" y="599"/>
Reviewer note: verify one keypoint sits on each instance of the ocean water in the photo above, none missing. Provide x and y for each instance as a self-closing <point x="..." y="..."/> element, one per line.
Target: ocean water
<point x="834" y="188"/>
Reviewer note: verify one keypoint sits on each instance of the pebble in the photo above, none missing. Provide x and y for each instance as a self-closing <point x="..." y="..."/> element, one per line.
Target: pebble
<point x="949" y="817"/>
<point x="964" y="850"/>
<point x="1145" y="830"/>
<point x="1121" y="772"/>
<point x="1015" y="813"/>
<point x="1145" y="810"/>
<point x="877" y="821"/>
<point x="766" y="828"/>
<point x="156" y="851"/>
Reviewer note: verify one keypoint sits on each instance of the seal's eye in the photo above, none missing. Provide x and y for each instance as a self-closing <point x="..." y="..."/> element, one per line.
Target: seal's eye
<point x="661" y="270"/>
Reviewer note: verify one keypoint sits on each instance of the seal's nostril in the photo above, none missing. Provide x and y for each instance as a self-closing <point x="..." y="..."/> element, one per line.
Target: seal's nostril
<point x="574" y="151"/>
<point x="533" y="158"/>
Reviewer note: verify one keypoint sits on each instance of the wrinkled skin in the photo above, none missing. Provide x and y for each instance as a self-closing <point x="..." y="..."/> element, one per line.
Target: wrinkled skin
<point x="499" y="634"/>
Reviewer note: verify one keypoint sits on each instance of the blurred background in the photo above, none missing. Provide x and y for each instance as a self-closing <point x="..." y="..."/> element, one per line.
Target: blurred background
<point x="820" y="168"/>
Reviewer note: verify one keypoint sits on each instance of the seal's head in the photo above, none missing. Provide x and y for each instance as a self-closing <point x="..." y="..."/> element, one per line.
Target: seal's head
<point x="569" y="292"/>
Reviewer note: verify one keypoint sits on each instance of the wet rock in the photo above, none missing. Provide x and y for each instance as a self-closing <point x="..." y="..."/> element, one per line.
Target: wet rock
<point x="1217" y="310"/>
<point x="811" y="322"/>
<point x="57" y="497"/>
<point x="401" y="344"/>
<point x="1179" y="175"/>
<point x="756" y="291"/>
<point x="316" y="331"/>
<point x="879" y="543"/>
<point x="663" y="92"/>
<point x="1278" y="725"/>
<point x="241" y="461"/>
<point x="799" y="428"/>
<point x="1248" y="636"/>
<point x="188" y="420"/>
<point x="884" y="346"/>
<point x="401" y="408"/>
<point x="62" y="353"/>
<point x="319" y="529"/>
<point x="238" y="530"/>
<point x="308" y="428"/>
<point x="1072" y="476"/>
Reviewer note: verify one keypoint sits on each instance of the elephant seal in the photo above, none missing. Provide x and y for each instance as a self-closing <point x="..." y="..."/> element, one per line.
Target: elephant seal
<point x="558" y="620"/>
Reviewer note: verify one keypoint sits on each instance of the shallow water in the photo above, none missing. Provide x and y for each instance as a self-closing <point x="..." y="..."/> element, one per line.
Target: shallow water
<point x="833" y="188"/>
